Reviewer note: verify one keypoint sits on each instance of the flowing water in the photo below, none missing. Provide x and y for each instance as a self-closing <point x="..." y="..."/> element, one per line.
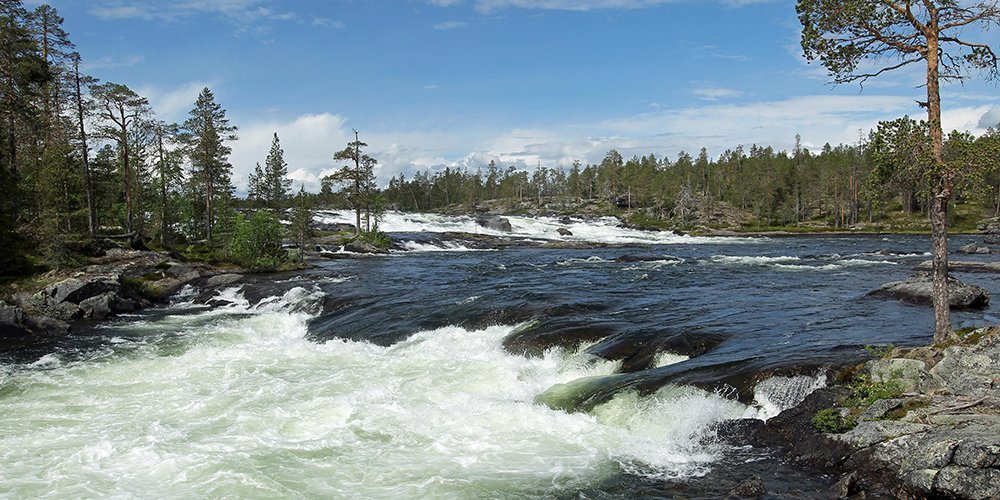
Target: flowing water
<point x="439" y="371"/>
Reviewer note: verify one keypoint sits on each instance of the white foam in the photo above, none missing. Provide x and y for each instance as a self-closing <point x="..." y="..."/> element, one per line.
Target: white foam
<point x="598" y="230"/>
<point x="245" y="406"/>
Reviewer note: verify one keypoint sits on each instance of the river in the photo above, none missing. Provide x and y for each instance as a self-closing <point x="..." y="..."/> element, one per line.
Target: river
<point x="449" y="372"/>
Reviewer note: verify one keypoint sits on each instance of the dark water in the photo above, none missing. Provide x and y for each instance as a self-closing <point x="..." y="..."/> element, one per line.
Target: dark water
<point x="741" y="310"/>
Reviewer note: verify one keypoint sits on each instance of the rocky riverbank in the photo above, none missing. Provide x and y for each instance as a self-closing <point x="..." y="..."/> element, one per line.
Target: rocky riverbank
<point x="915" y="423"/>
<point x="121" y="280"/>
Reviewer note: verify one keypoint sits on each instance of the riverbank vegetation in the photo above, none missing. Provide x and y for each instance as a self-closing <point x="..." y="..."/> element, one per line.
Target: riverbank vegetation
<point x="82" y="160"/>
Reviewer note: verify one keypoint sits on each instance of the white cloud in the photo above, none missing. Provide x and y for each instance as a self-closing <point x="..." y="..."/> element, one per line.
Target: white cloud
<point x="578" y="5"/>
<point x="450" y="25"/>
<point x="109" y="62"/>
<point x="173" y="104"/>
<point x="308" y="141"/>
<point x="716" y="93"/>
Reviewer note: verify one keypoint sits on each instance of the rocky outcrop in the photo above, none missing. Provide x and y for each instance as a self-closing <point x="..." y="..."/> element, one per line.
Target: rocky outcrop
<point x="974" y="249"/>
<point x="15" y="323"/>
<point x="362" y="246"/>
<point x="495" y="222"/>
<point x="989" y="226"/>
<point x="917" y="289"/>
<point x="936" y="436"/>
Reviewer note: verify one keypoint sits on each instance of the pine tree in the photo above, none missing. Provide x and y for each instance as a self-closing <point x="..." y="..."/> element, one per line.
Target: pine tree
<point x="120" y="108"/>
<point x="276" y="184"/>
<point x="301" y="223"/>
<point x="205" y="134"/>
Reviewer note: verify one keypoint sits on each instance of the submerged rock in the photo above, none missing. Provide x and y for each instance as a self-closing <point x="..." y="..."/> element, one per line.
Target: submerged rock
<point x="974" y="249"/>
<point x="917" y="289"/>
<point x="494" y="222"/>
<point x="751" y="487"/>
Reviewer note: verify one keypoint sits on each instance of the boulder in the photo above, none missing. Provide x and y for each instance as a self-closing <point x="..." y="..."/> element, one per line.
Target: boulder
<point x="333" y="227"/>
<point x="74" y="290"/>
<point x="910" y="374"/>
<point x="361" y="246"/>
<point x="106" y="305"/>
<point x="564" y="232"/>
<point x="971" y="370"/>
<point x="989" y="226"/>
<point x="917" y="289"/>
<point x="992" y="239"/>
<point x="566" y="220"/>
<point x="974" y="249"/>
<point x="494" y="222"/>
<point x="751" y="487"/>
<point x="14" y="323"/>
<point x="222" y="280"/>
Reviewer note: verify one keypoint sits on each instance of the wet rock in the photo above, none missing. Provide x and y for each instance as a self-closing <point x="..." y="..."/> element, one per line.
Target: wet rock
<point x="222" y="280"/>
<point x="74" y="290"/>
<point x="917" y="290"/>
<point x="974" y="249"/>
<point x="494" y="222"/>
<point x="564" y="232"/>
<point x="751" y="487"/>
<point x="566" y="220"/>
<point x="333" y="227"/>
<point x="361" y="246"/>
<point x="106" y="305"/>
<point x="15" y="323"/>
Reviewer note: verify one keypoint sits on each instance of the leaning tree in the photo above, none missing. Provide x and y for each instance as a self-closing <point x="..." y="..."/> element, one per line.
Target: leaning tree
<point x="861" y="39"/>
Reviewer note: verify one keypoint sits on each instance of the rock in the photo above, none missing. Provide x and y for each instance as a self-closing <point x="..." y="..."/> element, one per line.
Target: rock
<point x="74" y="290"/>
<point x="917" y="290"/>
<point x="222" y="280"/>
<point x="566" y="220"/>
<point x="15" y="323"/>
<point x="494" y="222"/>
<point x="910" y="374"/>
<point x="361" y="246"/>
<point x="989" y="226"/>
<point x="974" y="249"/>
<point x="334" y="227"/>
<point x="106" y="305"/>
<point x="879" y="409"/>
<point x="751" y="487"/>
<point x="964" y="482"/>
<point x="869" y="433"/>
<point x="965" y="266"/>
<point x="972" y="370"/>
<point x="992" y="239"/>
<point x="564" y="232"/>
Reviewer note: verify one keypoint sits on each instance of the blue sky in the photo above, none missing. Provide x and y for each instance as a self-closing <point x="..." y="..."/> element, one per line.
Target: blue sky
<point x="435" y="83"/>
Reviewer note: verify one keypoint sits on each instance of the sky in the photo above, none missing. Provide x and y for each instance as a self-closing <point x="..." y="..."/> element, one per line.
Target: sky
<point x="430" y="84"/>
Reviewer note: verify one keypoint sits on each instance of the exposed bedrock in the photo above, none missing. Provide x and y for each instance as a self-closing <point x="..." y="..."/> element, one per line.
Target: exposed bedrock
<point x="917" y="289"/>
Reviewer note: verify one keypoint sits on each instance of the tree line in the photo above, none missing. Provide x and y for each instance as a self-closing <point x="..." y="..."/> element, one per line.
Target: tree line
<point x="81" y="158"/>
<point x="838" y="186"/>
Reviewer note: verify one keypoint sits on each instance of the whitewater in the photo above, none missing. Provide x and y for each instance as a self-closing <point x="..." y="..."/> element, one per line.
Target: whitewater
<point x="431" y="372"/>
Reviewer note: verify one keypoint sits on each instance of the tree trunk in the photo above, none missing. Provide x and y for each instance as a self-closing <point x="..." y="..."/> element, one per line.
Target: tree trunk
<point x="942" y="192"/>
<point x="84" y="153"/>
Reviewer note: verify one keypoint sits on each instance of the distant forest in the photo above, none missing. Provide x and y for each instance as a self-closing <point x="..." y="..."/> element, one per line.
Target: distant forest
<point x="82" y="159"/>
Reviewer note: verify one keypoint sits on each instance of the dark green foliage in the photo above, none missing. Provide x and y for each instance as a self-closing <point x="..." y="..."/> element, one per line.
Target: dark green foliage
<point x="256" y="242"/>
<point x="829" y="421"/>
<point x="864" y="391"/>
<point x="301" y="219"/>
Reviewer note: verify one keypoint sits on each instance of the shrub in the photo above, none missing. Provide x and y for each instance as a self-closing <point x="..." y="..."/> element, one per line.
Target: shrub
<point x="256" y="242"/>
<point x="830" y="422"/>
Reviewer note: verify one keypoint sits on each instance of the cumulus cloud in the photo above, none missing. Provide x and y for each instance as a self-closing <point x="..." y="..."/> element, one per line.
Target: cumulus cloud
<point x="716" y="93"/>
<point x="309" y="141"/>
<point x="172" y="104"/>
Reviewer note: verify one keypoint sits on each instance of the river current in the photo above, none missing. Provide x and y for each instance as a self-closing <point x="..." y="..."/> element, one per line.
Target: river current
<point x="449" y="372"/>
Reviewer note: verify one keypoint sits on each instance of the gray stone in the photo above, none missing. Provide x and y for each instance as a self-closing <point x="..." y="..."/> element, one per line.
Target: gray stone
<point x="361" y="246"/>
<point x="971" y="370"/>
<point x="873" y="432"/>
<point x="222" y="280"/>
<point x="751" y="487"/>
<point x="564" y="232"/>
<point x="917" y="290"/>
<point x="880" y="408"/>
<point x="978" y="454"/>
<point x="973" y="249"/>
<point x="965" y="482"/>
<point x="910" y="374"/>
<point x="494" y="222"/>
<point x="920" y="481"/>
<point x="74" y="290"/>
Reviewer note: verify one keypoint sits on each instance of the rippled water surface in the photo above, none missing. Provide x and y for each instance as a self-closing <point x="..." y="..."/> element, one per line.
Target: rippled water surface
<point x="437" y="372"/>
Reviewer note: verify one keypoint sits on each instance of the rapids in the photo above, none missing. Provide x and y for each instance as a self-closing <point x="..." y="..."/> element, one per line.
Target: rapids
<point x="439" y="372"/>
